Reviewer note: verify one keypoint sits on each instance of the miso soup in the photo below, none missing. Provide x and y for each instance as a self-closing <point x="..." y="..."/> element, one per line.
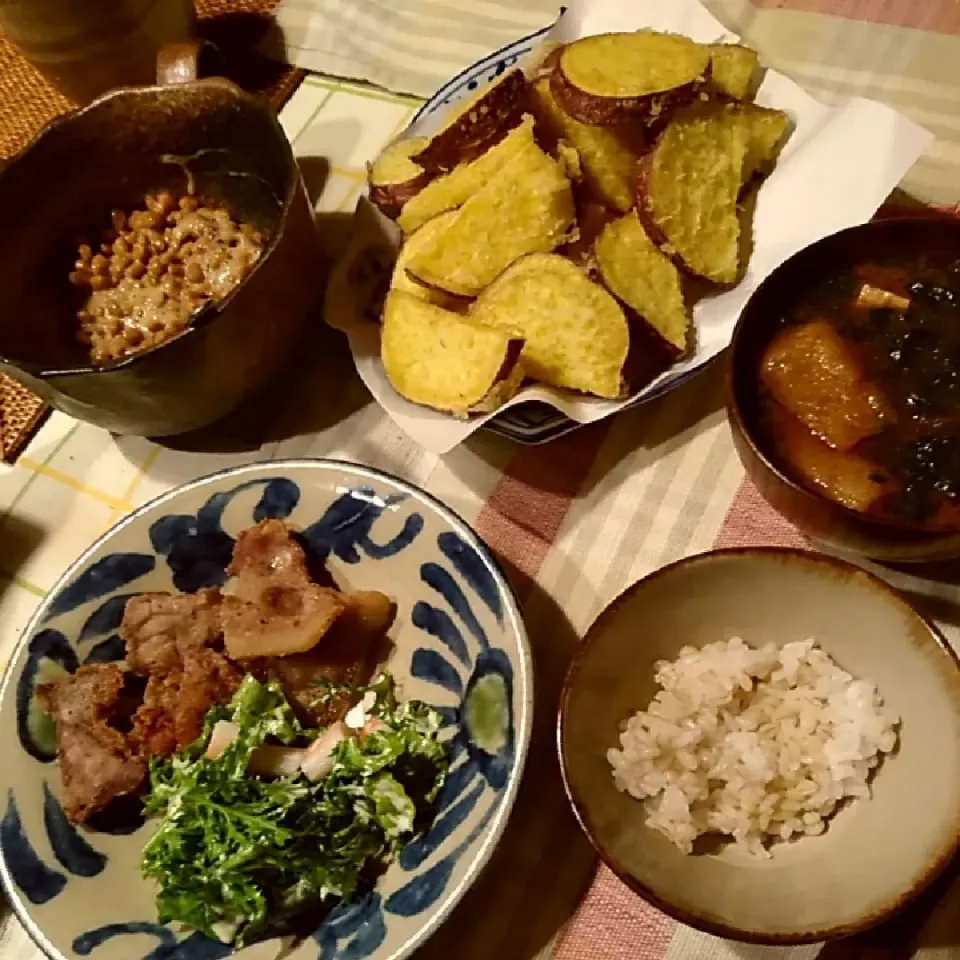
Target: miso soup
<point x="860" y="391"/>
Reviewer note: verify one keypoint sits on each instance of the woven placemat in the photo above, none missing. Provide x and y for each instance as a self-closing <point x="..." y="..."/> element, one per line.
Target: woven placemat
<point x="27" y="102"/>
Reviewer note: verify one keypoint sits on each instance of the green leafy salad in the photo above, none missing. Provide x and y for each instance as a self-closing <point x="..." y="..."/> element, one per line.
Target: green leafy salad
<point x="239" y="856"/>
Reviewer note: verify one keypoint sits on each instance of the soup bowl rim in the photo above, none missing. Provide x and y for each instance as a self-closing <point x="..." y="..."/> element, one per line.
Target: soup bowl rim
<point x="735" y="401"/>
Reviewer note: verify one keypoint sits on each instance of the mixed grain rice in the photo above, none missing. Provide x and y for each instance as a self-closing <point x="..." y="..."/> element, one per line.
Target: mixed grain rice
<point x="757" y="744"/>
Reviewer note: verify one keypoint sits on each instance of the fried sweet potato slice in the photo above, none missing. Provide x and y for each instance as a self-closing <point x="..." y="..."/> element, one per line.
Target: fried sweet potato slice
<point x="645" y="279"/>
<point x="394" y="178"/>
<point x="442" y="360"/>
<point x="688" y="185"/>
<point x="592" y="218"/>
<point x="733" y="70"/>
<point x="611" y="77"/>
<point x="456" y="187"/>
<point x="527" y="207"/>
<point x="812" y="373"/>
<point x="476" y="125"/>
<point x="608" y="155"/>
<point x="550" y="58"/>
<point x="575" y="334"/>
<point x="401" y="279"/>
<point x="767" y="132"/>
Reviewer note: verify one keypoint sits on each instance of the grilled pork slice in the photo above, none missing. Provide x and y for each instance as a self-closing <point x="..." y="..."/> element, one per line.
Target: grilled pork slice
<point x="174" y="640"/>
<point x="265" y="556"/>
<point x="97" y="761"/>
<point x="644" y="278"/>
<point x="175" y="702"/>
<point x="158" y="628"/>
<point x="612" y="77"/>
<point x="394" y="178"/>
<point x="477" y="124"/>
<point x="286" y="620"/>
<point x="275" y="608"/>
<point x="526" y="207"/>
<point x="608" y="154"/>
<point x="574" y="333"/>
<point x="449" y="362"/>
<point x="453" y="189"/>
<point x="348" y="654"/>
<point x="688" y="187"/>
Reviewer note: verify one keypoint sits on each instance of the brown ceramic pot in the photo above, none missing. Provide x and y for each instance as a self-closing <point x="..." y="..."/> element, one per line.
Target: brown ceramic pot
<point x="815" y="515"/>
<point x="205" y="134"/>
<point x="86" y="47"/>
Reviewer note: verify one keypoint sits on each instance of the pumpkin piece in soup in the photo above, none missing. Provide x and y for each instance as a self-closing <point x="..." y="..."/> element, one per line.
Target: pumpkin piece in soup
<point x="846" y="478"/>
<point x="815" y="376"/>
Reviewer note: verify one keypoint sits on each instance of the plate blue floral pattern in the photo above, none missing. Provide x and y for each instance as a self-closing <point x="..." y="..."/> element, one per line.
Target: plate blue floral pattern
<point x="459" y="644"/>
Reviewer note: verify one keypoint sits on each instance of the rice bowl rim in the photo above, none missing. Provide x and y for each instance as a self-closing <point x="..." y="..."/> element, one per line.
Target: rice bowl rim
<point x="824" y="563"/>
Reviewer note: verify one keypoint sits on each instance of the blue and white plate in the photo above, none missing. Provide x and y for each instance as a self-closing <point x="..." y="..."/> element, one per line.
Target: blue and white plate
<point x="78" y="892"/>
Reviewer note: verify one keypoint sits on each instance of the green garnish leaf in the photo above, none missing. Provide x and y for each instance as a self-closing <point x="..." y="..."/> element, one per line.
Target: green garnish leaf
<point x="238" y="857"/>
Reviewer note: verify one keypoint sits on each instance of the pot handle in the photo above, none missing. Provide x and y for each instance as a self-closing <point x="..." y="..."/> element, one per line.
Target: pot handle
<point x="187" y="60"/>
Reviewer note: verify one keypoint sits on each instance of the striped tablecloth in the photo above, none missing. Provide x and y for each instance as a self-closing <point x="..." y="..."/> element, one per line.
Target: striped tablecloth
<point x="575" y="522"/>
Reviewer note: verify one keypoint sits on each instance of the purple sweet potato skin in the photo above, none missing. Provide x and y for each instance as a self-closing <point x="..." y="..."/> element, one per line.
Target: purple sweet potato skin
<point x="390" y="197"/>
<point x="649" y="354"/>
<point x="651" y="109"/>
<point x="483" y="126"/>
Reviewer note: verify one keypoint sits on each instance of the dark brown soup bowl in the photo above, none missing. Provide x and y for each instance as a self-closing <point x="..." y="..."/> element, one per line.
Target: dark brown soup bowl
<point x="816" y="516"/>
<point x="207" y="136"/>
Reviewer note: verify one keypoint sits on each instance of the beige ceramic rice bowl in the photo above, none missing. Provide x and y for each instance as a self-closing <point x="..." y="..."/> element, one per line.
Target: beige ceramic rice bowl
<point x="876" y="853"/>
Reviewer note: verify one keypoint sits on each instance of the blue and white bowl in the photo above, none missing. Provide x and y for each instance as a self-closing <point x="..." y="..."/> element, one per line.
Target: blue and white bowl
<point x="79" y="893"/>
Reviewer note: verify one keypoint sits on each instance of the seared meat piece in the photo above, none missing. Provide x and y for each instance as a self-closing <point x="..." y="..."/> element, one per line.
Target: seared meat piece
<point x="285" y="621"/>
<point x="348" y="654"/>
<point x="159" y="628"/>
<point x="209" y="679"/>
<point x="176" y="702"/>
<point x="153" y="730"/>
<point x="275" y="609"/>
<point x="264" y="556"/>
<point x="176" y="641"/>
<point x="97" y="761"/>
<point x="171" y="638"/>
